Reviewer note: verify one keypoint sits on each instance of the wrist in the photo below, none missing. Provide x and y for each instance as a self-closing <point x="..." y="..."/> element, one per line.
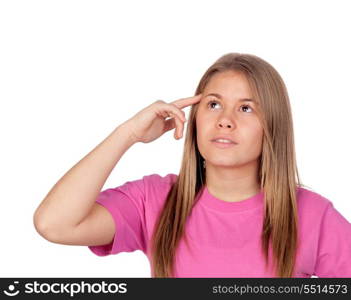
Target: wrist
<point x="126" y="132"/>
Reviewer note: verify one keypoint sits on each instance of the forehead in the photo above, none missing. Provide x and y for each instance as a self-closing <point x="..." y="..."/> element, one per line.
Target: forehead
<point x="229" y="84"/>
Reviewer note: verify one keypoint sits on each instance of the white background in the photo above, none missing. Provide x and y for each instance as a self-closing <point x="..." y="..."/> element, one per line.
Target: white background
<point x="72" y="71"/>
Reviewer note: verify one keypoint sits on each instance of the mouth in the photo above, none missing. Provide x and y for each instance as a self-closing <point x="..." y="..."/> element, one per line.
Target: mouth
<point x="223" y="144"/>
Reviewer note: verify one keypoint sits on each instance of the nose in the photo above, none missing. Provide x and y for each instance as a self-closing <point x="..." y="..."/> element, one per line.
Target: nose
<point x="225" y="122"/>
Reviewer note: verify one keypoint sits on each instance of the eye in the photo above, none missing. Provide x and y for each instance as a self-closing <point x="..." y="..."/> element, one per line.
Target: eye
<point x="246" y="106"/>
<point x="216" y="102"/>
<point x="210" y="103"/>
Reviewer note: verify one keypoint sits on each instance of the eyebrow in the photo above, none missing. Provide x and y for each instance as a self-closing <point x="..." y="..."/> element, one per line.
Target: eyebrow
<point x="241" y="99"/>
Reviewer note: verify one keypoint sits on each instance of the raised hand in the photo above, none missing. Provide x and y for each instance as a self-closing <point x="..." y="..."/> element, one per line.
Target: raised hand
<point x="150" y="123"/>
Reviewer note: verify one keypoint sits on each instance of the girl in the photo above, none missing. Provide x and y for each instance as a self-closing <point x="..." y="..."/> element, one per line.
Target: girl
<point x="237" y="207"/>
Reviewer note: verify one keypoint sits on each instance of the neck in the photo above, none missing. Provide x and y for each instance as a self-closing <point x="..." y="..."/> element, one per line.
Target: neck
<point x="233" y="183"/>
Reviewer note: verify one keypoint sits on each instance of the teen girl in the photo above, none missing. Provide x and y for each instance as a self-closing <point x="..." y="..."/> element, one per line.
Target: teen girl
<point x="236" y="208"/>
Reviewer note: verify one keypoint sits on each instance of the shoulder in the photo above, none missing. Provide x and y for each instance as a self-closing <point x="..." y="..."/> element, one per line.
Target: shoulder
<point x="160" y="180"/>
<point x="149" y="182"/>
<point x="307" y="196"/>
<point x="312" y="204"/>
<point x="157" y="187"/>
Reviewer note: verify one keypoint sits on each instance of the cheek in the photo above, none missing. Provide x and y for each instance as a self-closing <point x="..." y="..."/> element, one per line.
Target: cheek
<point x="256" y="139"/>
<point x="202" y="129"/>
<point x="252" y="134"/>
<point x="200" y="121"/>
<point x="258" y="131"/>
<point x="199" y="129"/>
<point x="204" y="118"/>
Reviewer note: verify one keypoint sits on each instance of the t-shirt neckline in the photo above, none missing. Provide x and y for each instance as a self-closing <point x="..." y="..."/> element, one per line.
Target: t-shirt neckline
<point x="210" y="201"/>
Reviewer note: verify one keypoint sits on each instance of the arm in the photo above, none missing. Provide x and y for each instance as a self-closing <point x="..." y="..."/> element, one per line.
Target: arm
<point x="73" y="197"/>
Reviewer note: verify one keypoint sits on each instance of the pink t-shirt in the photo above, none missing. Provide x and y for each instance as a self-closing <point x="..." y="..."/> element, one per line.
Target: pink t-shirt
<point x="224" y="237"/>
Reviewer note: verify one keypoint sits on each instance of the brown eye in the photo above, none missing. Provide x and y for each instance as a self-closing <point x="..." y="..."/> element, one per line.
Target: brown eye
<point x="247" y="106"/>
<point x="211" y="102"/>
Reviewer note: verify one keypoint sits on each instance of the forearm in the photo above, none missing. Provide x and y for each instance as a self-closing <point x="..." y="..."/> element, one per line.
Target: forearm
<point x="73" y="196"/>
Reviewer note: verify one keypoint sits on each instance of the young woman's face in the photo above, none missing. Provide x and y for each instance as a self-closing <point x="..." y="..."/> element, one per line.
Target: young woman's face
<point x="225" y="115"/>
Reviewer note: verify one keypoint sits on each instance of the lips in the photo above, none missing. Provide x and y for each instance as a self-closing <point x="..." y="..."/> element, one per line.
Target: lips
<point x="222" y="145"/>
<point x="223" y="138"/>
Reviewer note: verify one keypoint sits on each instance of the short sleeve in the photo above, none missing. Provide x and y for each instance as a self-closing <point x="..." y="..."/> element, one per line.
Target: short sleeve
<point x="126" y="204"/>
<point x="334" y="247"/>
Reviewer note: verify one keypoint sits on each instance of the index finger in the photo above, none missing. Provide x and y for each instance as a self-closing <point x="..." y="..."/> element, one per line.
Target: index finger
<point x="184" y="102"/>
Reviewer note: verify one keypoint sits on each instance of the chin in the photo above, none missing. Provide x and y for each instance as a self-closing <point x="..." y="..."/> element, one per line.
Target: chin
<point x="223" y="164"/>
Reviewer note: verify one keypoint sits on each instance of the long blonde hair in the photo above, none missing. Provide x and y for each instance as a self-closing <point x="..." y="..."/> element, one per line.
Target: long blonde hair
<point x="277" y="173"/>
